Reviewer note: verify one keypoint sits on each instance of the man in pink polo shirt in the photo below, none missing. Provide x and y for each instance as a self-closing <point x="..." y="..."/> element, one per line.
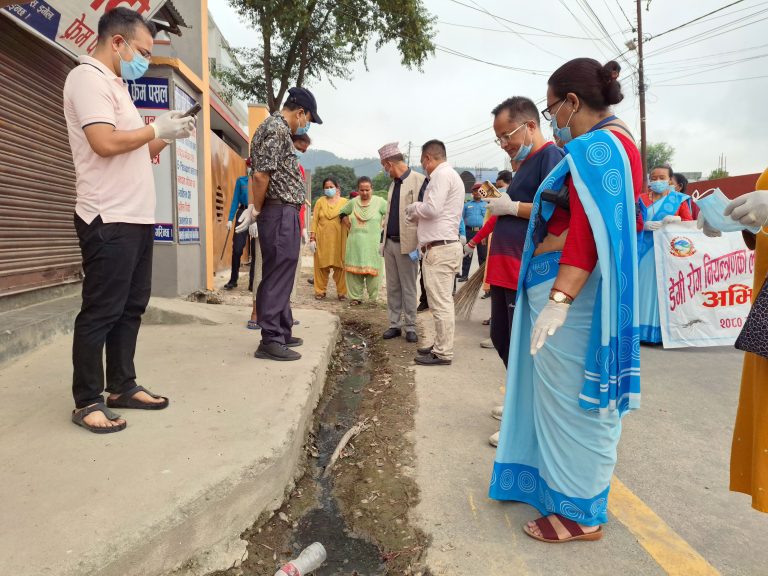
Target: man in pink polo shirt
<point x="114" y="215"/>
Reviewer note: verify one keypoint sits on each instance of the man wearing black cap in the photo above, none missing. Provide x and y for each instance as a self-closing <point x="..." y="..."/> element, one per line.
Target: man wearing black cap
<point x="278" y="193"/>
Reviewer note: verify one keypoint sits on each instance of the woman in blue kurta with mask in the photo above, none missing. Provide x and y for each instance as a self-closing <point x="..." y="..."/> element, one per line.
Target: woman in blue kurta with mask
<point x="659" y="206"/>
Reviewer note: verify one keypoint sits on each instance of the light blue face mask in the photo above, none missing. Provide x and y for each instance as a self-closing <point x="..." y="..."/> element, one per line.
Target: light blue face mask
<point x="523" y="152"/>
<point x="713" y="207"/>
<point x="134" y="69"/>
<point x="301" y="130"/>
<point x="299" y="154"/>
<point x="659" y="186"/>
<point x="562" y="134"/>
<point x="330" y="192"/>
<point x="414" y="255"/>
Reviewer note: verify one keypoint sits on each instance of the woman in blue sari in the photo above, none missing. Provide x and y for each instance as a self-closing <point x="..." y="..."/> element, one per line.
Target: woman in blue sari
<point x="661" y="205"/>
<point x="574" y="358"/>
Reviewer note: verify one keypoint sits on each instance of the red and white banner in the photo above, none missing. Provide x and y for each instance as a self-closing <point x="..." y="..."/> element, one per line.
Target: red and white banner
<point x="705" y="285"/>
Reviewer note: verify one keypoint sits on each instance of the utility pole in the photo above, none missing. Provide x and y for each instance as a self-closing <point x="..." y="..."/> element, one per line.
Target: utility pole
<point x="641" y="90"/>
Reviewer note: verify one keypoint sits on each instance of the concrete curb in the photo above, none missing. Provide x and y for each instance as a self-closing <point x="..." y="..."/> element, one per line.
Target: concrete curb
<point x="176" y="489"/>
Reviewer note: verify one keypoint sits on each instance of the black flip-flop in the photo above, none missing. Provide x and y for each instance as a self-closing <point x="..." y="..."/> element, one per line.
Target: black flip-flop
<point x="79" y="415"/>
<point x="127" y="400"/>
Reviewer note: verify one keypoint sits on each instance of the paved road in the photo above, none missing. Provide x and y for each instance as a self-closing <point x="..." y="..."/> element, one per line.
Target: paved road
<point x="671" y="511"/>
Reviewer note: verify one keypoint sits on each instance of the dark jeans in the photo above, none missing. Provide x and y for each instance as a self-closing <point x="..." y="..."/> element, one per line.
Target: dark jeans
<point x="239" y="240"/>
<point x="252" y="248"/>
<point x="280" y="241"/>
<point x="502" y="313"/>
<point x="482" y="252"/>
<point x="117" y="261"/>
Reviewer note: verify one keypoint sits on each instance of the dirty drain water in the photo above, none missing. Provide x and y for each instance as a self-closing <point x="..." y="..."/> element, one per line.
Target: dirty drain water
<point x="347" y="554"/>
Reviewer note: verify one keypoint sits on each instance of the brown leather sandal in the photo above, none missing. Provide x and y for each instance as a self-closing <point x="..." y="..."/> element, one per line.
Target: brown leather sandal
<point x="549" y="534"/>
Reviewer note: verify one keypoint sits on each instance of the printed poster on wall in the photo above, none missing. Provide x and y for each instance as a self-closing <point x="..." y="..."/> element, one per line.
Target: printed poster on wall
<point x="73" y="24"/>
<point x="152" y="99"/>
<point x="187" y="214"/>
<point x="705" y="285"/>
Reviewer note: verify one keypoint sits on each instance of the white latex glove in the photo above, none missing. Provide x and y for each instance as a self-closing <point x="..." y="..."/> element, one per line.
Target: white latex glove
<point x="671" y="219"/>
<point x="304" y="236"/>
<point x="229" y="225"/>
<point x="410" y="211"/>
<point x="253" y="230"/>
<point x="503" y="206"/>
<point x="653" y="225"/>
<point x="549" y="320"/>
<point x="750" y="209"/>
<point x="173" y="125"/>
<point x="247" y="218"/>
<point x="312" y="246"/>
<point x="702" y="224"/>
<point x="463" y="240"/>
<point x="468" y="250"/>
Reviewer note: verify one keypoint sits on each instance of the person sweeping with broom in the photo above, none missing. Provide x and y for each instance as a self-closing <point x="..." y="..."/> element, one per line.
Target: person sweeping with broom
<point x="516" y="123"/>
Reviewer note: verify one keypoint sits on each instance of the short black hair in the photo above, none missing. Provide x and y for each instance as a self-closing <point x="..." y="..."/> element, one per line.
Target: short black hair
<point x="505" y="176"/>
<point x="682" y="180"/>
<point x="123" y="21"/>
<point x="435" y="149"/>
<point x="333" y="180"/>
<point x="291" y="106"/>
<point x="363" y="180"/>
<point x="518" y="107"/>
<point x="666" y="167"/>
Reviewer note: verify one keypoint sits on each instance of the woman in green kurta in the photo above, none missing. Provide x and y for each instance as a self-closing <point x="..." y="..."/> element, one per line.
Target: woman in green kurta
<point x="363" y="217"/>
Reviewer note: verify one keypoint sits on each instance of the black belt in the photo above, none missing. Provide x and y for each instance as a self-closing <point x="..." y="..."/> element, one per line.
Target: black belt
<point x="429" y="245"/>
<point x="276" y="201"/>
<point x="394" y="238"/>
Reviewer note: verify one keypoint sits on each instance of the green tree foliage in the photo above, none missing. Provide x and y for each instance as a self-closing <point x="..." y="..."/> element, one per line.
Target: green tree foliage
<point x="343" y="174"/>
<point x="381" y="182"/>
<point x="300" y="41"/>
<point x="659" y="154"/>
<point x="718" y="173"/>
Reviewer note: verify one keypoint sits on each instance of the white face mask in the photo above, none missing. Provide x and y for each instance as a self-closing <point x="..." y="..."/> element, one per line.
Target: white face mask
<point x="330" y="192"/>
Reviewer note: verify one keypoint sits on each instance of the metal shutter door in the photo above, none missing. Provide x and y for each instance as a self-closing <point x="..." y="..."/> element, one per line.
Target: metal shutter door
<point x="38" y="244"/>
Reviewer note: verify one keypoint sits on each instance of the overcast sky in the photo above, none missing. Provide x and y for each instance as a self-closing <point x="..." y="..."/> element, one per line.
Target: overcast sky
<point x="695" y="101"/>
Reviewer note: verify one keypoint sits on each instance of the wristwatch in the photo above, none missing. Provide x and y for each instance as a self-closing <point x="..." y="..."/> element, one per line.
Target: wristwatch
<point x="560" y="297"/>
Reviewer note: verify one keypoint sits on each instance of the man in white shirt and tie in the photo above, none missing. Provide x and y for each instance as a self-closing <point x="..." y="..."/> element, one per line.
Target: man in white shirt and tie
<point x="438" y="217"/>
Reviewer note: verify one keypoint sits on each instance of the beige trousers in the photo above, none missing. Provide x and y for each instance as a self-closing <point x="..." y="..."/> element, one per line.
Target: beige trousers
<point x="441" y="264"/>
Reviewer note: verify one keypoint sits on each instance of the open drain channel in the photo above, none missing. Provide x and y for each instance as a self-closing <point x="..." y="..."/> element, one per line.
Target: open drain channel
<point x="346" y="553"/>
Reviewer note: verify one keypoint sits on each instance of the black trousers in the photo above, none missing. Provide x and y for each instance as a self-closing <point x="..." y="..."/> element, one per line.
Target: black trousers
<point x="117" y="261"/>
<point x="280" y="241"/>
<point x="239" y="240"/>
<point x="502" y="313"/>
<point x="482" y="252"/>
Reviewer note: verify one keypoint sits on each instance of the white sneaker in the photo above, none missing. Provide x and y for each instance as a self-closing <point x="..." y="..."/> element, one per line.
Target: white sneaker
<point x="494" y="439"/>
<point x="497" y="412"/>
<point x="487" y="343"/>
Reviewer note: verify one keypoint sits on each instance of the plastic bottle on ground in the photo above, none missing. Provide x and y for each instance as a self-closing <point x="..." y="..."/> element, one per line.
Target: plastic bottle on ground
<point x="311" y="558"/>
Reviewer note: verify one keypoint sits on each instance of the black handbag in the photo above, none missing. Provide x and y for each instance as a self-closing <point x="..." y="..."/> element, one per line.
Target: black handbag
<point x="754" y="335"/>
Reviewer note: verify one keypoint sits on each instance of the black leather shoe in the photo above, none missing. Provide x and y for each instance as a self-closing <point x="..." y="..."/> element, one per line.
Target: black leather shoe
<point x="431" y="360"/>
<point x="311" y="281"/>
<point x="422" y="306"/>
<point x="230" y="286"/>
<point x="294" y="342"/>
<point x="462" y="279"/>
<point x="411" y="337"/>
<point x="276" y="351"/>
<point x="250" y="287"/>
<point x="486" y="295"/>
<point x="392" y="333"/>
<point x="424" y="351"/>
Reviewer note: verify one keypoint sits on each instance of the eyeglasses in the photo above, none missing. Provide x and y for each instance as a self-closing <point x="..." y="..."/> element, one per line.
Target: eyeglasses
<point x="504" y="139"/>
<point x="547" y="112"/>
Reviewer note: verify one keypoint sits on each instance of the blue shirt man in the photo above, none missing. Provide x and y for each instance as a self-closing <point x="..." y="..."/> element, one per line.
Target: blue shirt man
<point x="474" y="211"/>
<point x="240" y="197"/>
<point x="239" y="202"/>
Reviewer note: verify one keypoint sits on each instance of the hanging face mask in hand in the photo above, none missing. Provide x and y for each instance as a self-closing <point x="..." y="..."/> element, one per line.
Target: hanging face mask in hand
<point x="134" y="69"/>
<point x="659" y="186"/>
<point x="712" y="204"/>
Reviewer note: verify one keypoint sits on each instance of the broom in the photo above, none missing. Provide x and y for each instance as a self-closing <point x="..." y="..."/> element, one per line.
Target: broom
<point x="465" y="298"/>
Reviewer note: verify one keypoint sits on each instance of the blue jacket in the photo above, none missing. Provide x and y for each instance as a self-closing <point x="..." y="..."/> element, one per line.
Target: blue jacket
<point x="474" y="213"/>
<point x="240" y="197"/>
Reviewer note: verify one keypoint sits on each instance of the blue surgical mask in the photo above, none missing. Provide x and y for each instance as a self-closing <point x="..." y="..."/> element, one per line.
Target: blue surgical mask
<point x="713" y="207"/>
<point x="330" y="192"/>
<point x="134" y="69"/>
<point x="659" y="186"/>
<point x="301" y="130"/>
<point x="299" y="154"/>
<point x="562" y="134"/>
<point x="502" y="190"/>
<point x="523" y="152"/>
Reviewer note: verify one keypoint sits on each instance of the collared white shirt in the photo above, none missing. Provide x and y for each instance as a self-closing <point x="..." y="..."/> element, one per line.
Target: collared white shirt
<point x="439" y="214"/>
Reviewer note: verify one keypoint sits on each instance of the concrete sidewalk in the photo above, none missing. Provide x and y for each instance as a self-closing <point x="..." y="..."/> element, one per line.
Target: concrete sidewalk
<point x="177" y="487"/>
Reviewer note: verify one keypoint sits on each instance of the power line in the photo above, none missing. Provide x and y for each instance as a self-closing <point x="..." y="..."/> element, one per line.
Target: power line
<point x="485" y="130"/>
<point x="516" y="23"/>
<point x="583" y="27"/>
<point x="508" y="31"/>
<point x="697" y="19"/>
<point x="707" y="56"/>
<point x="631" y="26"/>
<point x="475" y="59"/>
<point x="712" y="82"/>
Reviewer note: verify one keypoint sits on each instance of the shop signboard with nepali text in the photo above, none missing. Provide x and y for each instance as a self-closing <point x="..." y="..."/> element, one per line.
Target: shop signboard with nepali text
<point x="73" y="24"/>
<point x="186" y="177"/>
<point x="704" y="284"/>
